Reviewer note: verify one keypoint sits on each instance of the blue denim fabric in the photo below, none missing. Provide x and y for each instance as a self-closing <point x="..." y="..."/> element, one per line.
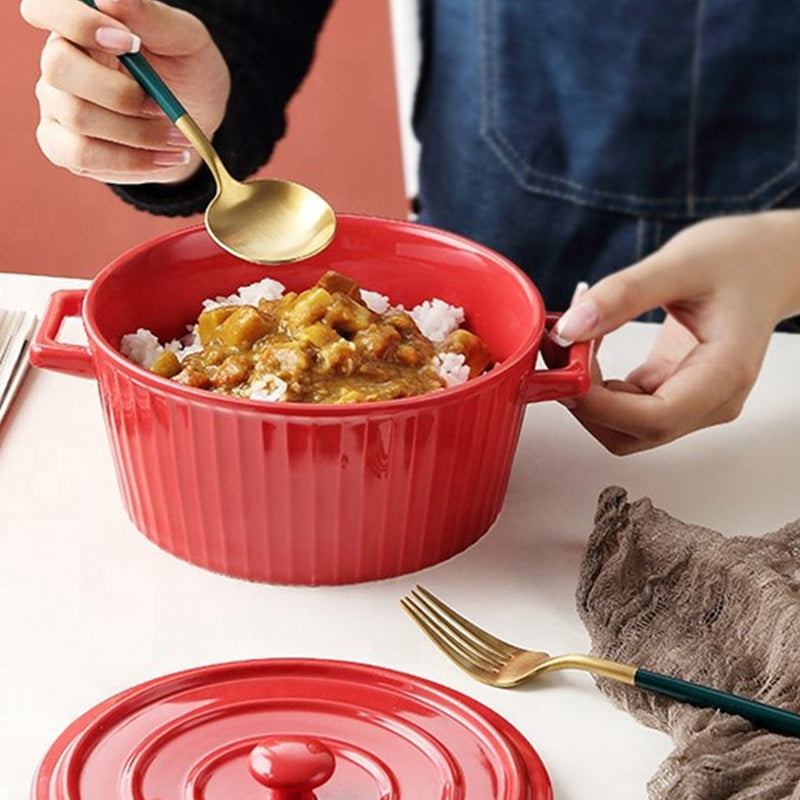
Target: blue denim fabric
<point x="576" y="136"/>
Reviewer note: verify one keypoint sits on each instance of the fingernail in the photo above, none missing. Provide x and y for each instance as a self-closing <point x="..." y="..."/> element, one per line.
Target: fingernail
<point x="580" y="290"/>
<point x="578" y="320"/>
<point x="151" y="109"/>
<point x="174" y="136"/>
<point x="558" y="340"/>
<point x="117" y="41"/>
<point x="164" y="158"/>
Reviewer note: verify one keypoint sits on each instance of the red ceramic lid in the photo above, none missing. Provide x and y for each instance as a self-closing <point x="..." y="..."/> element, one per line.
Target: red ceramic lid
<point x="291" y="730"/>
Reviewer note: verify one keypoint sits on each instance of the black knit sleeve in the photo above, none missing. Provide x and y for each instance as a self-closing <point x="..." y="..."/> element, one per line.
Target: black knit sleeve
<point x="268" y="45"/>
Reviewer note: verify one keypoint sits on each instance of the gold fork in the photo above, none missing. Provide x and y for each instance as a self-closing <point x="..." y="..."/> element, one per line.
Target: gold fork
<point x="502" y="664"/>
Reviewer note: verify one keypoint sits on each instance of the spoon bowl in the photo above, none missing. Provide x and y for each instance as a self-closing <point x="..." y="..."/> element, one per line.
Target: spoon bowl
<point x="270" y="221"/>
<point x="266" y="221"/>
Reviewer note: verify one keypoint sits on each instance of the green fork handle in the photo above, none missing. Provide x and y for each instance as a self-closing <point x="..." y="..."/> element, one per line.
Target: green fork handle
<point x="760" y="714"/>
<point x="148" y="79"/>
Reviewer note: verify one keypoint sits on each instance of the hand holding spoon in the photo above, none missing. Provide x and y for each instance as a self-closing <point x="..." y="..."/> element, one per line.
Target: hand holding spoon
<point x="266" y="221"/>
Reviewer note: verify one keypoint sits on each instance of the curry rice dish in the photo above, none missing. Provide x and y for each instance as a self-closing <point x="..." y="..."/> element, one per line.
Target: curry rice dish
<point x="332" y="343"/>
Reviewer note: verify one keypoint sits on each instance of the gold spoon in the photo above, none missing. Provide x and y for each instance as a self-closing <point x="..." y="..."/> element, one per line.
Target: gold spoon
<point x="266" y="221"/>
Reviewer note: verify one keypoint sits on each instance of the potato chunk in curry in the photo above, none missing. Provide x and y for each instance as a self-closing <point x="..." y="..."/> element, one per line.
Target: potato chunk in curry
<point x="324" y="343"/>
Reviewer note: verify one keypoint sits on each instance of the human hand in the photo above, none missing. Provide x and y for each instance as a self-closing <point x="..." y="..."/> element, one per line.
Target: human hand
<point x="724" y="283"/>
<point x="95" y="118"/>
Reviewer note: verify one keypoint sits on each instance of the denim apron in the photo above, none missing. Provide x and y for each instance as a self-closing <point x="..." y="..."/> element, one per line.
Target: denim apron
<point x="577" y="136"/>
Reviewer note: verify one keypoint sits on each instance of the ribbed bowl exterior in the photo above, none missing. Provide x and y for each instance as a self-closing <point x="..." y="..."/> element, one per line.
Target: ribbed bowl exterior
<point x="298" y="500"/>
<point x="303" y="493"/>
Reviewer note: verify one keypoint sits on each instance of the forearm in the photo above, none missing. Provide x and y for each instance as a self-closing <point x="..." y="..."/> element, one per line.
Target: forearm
<point x="268" y="48"/>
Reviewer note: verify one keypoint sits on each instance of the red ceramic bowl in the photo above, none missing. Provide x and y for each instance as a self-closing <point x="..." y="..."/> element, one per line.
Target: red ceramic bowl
<point x="301" y="493"/>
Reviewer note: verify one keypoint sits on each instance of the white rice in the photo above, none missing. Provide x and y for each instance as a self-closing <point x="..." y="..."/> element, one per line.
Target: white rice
<point x="141" y="347"/>
<point x="377" y="303"/>
<point x="249" y="295"/>
<point x="435" y="319"/>
<point x="452" y="367"/>
<point x="187" y="345"/>
<point x="269" y="388"/>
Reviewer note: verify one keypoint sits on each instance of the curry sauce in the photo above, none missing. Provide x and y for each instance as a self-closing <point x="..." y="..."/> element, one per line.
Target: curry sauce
<point x="324" y="344"/>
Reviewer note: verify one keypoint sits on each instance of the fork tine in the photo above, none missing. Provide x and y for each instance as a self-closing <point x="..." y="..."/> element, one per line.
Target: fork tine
<point x="469" y="648"/>
<point x="467" y="641"/>
<point x="503" y="649"/>
<point x="469" y="666"/>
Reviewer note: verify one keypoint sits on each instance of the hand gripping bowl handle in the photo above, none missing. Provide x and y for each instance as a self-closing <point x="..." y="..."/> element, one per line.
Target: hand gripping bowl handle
<point x="570" y="378"/>
<point x="46" y="352"/>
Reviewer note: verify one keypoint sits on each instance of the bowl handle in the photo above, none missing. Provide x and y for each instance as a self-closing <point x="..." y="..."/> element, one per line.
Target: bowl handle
<point x="571" y="375"/>
<point x="46" y="352"/>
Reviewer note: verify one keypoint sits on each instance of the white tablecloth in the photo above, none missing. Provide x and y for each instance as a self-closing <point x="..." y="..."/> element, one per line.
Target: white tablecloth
<point x="88" y="606"/>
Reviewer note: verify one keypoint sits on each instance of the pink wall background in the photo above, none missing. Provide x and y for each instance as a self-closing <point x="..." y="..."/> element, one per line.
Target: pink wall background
<point x="343" y="140"/>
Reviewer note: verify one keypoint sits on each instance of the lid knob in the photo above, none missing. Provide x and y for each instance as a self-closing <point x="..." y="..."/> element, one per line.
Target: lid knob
<point x="291" y="766"/>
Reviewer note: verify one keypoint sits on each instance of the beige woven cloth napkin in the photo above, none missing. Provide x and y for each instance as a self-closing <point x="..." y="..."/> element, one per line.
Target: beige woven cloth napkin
<point x="685" y="600"/>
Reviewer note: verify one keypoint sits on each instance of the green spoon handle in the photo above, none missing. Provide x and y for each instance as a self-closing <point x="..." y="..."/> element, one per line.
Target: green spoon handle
<point x="760" y="714"/>
<point x="148" y="79"/>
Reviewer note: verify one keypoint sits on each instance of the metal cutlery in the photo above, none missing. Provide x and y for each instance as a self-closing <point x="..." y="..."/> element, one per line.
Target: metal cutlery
<point x="499" y="663"/>
<point x="16" y="330"/>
